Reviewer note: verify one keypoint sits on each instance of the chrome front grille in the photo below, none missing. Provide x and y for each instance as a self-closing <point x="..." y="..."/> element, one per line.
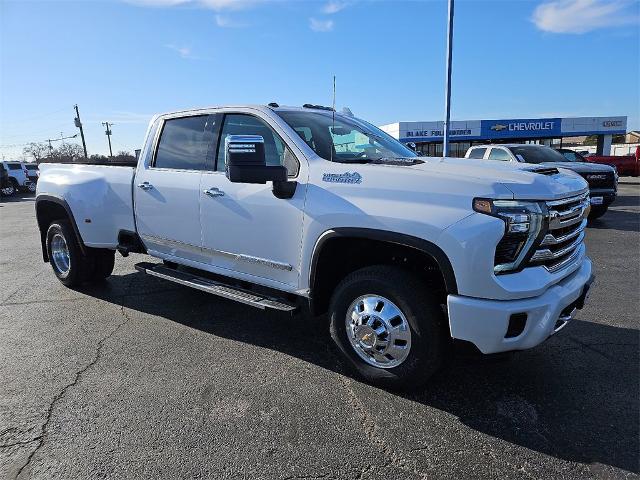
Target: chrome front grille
<point x="565" y="234"/>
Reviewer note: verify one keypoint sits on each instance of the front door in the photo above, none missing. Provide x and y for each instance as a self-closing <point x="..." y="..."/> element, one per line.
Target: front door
<point x="245" y="228"/>
<point x="167" y="188"/>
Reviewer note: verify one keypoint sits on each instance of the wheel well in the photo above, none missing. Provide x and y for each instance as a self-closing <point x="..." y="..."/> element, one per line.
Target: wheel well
<point x="46" y="212"/>
<point x="339" y="256"/>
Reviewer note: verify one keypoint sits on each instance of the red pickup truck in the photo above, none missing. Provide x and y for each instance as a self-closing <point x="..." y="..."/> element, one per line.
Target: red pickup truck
<point x="625" y="164"/>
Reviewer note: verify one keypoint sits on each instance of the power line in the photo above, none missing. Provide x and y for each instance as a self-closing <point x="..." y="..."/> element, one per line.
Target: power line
<point x="34" y="117"/>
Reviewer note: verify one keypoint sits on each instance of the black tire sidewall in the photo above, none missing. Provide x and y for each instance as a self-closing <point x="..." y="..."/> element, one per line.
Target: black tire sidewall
<point x="104" y="263"/>
<point x="423" y="315"/>
<point x="597" y="212"/>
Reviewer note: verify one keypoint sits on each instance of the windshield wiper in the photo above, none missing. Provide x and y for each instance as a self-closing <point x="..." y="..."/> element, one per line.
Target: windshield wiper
<point x="353" y="160"/>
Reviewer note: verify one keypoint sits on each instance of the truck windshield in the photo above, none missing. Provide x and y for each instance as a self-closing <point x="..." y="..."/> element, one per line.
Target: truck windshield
<point x="344" y="139"/>
<point x="536" y="154"/>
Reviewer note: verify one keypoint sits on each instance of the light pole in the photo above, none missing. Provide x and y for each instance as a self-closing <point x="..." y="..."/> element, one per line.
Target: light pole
<point x="78" y="124"/>
<point x="447" y="99"/>
<point x="108" y="134"/>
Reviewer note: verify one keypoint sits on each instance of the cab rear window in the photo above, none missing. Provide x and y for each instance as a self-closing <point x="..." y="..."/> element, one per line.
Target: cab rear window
<point x="477" y="153"/>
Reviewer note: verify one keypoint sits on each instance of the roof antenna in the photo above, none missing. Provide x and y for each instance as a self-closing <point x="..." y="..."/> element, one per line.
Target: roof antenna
<point x="333" y="117"/>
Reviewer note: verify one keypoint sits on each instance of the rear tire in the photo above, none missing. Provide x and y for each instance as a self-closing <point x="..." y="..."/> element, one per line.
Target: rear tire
<point x="104" y="261"/>
<point x="419" y="327"/>
<point x="597" y="212"/>
<point x="8" y="190"/>
<point x="68" y="262"/>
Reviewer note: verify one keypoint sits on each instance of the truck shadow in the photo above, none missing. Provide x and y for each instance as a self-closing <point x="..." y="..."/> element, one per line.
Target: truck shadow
<point x="575" y="398"/>
<point x="622" y="220"/>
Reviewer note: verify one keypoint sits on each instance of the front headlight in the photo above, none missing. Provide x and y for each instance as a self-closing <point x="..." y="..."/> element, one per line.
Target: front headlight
<point x="523" y="222"/>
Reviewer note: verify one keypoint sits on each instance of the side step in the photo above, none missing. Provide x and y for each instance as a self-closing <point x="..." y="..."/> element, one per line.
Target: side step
<point x="216" y="288"/>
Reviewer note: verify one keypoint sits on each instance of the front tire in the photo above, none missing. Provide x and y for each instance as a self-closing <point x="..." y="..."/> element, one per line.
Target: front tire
<point x="389" y="327"/>
<point x="597" y="212"/>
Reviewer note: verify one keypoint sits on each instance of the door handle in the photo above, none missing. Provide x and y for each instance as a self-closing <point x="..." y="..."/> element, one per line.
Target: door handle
<point x="145" y="186"/>
<point x="214" y="192"/>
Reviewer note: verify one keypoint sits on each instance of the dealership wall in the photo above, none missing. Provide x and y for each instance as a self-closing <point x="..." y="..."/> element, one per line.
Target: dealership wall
<point x="508" y="129"/>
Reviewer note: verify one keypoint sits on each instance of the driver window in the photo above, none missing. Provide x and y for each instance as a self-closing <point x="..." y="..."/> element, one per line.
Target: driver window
<point x="276" y="152"/>
<point x="498" y="154"/>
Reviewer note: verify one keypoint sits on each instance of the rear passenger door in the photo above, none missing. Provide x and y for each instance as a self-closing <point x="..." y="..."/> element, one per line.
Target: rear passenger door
<point x="166" y="190"/>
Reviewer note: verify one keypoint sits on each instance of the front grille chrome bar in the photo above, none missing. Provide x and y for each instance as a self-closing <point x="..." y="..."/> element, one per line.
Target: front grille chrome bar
<point x="546" y="254"/>
<point x="550" y="239"/>
<point x="562" y="244"/>
<point x="565" y="218"/>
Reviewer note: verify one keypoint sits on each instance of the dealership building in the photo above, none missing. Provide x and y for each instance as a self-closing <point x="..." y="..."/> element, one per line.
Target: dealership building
<point x="427" y="136"/>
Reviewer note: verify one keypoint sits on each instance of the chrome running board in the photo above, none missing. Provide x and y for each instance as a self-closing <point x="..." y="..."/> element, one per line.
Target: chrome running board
<point x="229" y="292"/>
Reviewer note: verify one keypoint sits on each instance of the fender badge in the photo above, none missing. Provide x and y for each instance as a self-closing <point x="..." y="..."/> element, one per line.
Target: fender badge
<point x="348" y="177"/>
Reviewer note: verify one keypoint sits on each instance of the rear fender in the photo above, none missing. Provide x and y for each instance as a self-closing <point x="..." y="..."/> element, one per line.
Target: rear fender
<point x="48" y="209"/>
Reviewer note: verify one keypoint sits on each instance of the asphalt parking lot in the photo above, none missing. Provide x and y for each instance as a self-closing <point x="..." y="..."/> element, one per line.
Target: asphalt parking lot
<point x="141" y="378"/>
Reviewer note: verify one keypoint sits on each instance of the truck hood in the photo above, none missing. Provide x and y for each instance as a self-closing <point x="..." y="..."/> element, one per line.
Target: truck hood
<point x="581" y="167"/>
<point x="525" y="181"/>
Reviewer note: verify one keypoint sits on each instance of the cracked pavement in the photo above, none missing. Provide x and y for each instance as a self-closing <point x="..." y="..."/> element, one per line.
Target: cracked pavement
<point x="141" y="378"/>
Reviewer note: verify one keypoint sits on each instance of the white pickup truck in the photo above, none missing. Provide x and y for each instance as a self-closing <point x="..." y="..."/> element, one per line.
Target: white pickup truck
<point x="282" y="208"/>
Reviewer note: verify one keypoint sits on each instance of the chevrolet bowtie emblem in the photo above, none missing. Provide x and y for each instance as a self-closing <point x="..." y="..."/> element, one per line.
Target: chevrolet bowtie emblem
<point x="498" y="127"/>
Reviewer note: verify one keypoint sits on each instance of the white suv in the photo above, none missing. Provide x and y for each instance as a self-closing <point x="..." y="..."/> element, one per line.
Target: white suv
<point x="19" y="177"/>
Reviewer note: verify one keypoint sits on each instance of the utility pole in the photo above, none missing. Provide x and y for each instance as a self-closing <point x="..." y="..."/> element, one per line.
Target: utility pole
<point x="447" y="100"/>
<point x="79" y="125"/>
<point x="108" y="134"/>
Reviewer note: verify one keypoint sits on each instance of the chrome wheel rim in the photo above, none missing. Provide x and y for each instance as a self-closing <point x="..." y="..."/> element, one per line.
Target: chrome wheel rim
<point x="32" y="187"/>
<point x="378" y="331"/>
<point x="60" y="254"/>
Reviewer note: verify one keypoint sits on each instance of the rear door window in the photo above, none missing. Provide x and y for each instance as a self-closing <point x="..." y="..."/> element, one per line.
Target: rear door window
<point x="183" y="144"/>
<point x="477" y="153"/>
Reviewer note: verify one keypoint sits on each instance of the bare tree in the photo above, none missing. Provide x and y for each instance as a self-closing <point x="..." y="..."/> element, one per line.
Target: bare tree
<point x="68" y="152"/>
<point x="39" y="151"/>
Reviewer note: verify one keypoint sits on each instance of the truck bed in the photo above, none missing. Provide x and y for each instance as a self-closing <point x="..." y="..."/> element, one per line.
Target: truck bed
<point x="100" y="198"/>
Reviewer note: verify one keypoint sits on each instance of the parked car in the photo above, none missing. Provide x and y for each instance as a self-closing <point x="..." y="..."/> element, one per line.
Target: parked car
<point x="625" y="164"/>
<point x="283" y="208"/>
<point x="33" y="173"/>
<point x="602" y="179"/>
<point x="6" y="185"/>
<point x="19" y="177"/>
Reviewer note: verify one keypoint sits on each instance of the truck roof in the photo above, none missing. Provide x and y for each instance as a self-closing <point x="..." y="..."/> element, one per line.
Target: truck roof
<point x="508" y="145"/>
<point x="263" y="108"/>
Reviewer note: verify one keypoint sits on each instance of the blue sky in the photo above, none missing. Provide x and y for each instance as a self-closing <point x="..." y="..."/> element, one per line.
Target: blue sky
<point x="123" y="61"/>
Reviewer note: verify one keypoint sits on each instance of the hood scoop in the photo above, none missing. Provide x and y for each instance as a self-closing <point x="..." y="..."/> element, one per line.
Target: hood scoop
<point x="544" y="170"/>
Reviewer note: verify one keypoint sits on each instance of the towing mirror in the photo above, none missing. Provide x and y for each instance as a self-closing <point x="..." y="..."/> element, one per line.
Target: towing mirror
<point x="245" y="161"/>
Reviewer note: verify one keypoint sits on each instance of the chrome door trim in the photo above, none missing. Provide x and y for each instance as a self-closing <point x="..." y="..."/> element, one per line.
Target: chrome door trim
<point x="211" y="251"/>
